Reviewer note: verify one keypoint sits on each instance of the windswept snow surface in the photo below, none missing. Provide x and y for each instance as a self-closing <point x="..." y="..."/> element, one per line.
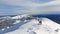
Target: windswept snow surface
<point x="32" y="26"/>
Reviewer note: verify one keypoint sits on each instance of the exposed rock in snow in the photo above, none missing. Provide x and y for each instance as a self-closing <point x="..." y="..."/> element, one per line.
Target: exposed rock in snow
<point x="21" y="16"/>
<point x="33" y="27"/>
<point x="26" y="24"/>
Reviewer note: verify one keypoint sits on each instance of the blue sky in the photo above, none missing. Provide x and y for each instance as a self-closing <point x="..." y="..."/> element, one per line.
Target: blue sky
<point x="11" y="7"/>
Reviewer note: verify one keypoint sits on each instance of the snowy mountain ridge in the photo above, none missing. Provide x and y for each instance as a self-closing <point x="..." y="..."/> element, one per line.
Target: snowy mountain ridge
<point x="26" y="24"/>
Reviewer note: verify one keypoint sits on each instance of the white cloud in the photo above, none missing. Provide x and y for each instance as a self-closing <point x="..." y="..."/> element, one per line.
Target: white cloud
<point x="24" y="3"/>
<point x="52" y="7"/>
<point x="35" y="8"/>
<point x="19" y="3"/>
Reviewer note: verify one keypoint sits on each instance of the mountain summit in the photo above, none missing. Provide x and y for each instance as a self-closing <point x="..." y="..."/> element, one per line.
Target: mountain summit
<point x="26" y="24"/>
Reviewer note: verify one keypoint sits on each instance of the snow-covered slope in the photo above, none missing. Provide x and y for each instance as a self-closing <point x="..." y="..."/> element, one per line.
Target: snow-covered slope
<point x="21" y="16"/>
<point x="33" y="26"/>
